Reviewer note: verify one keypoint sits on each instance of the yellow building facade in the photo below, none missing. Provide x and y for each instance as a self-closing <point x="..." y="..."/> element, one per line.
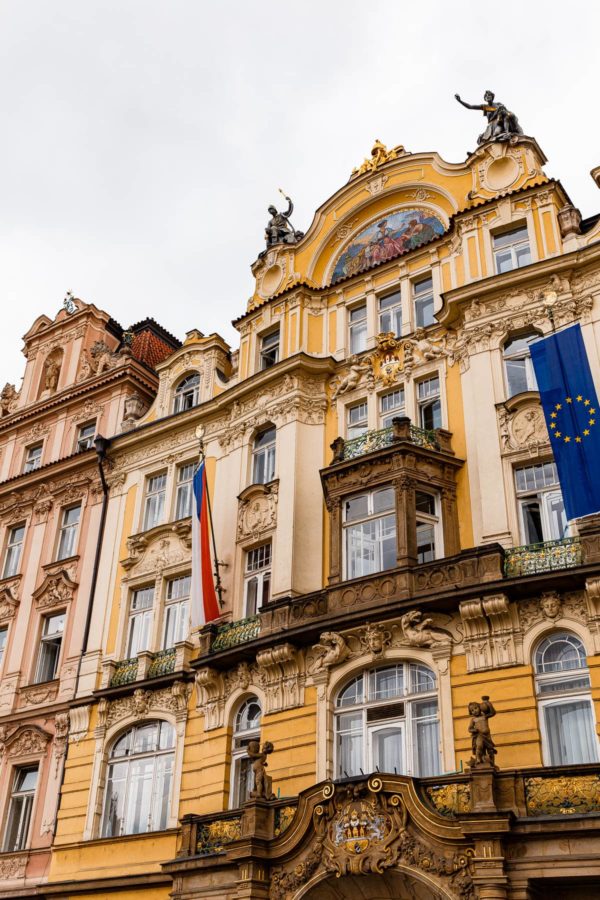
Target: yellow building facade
<point x="392" y="547"/>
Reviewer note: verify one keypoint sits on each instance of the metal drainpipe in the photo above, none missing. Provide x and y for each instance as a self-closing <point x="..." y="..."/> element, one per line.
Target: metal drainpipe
<point x="101" y="444"/>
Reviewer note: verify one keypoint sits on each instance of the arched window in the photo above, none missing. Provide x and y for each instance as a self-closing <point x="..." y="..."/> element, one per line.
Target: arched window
<point x="138" y="784"/>
<point x="518" y="367"/>
<point x="565" y="705"/>
<point x="246" y="728"/>
<point x="387" y="720"/>
<point x="263" y="456"/>
<point x="187" y="393"/>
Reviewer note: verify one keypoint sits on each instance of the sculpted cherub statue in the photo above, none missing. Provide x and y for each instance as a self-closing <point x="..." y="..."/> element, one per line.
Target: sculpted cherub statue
<point x="483" y="747"/>
<point x="263" y="784"/>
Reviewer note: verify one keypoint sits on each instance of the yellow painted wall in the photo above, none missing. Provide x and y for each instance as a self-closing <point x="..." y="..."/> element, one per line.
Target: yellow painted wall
<point x="128" y="529"/>
<point x="314" y="342"/>
<point x="456" y="423"/>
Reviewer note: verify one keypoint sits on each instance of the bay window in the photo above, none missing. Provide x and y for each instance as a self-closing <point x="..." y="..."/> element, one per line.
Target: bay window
<point x="564" y="701"/>
<point x="139" y="780"/>
<point x="369" y="525"/>
<point x="386" y="720"/>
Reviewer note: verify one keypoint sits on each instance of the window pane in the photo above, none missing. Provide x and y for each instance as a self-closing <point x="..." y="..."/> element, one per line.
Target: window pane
<point x="386" y="683"/>
<point x="428" y="388"/>
<point x="427" y="740"/>
<point x="3" y="636"/>
<point x="388" y="750"/>
<point x="383" y="500"/>
<point x="424" y="312"/>
<point x="350" y="753"/>
<point x="352" y="693"/>
<point x="560" y="653"/>
<point x="356" y="507"/>
<point x="504" y="262"/>
<point x="425" y="543"/>
<point x="570" y="733"/>
<point x="431" y="415"/>
<point x="511" y="237"/>
<point x="532" y="522"/>
<point x="425" y="503"/>
<point x="421" y="679"/>
<point x="516" y="376"/>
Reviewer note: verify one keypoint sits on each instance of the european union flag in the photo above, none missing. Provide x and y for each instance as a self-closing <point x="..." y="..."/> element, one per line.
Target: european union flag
<point x="572" y="416"/>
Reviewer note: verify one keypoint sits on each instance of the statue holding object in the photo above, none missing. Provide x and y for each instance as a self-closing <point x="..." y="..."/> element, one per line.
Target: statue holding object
<point x="279" y="229"/>
<point x="502" y="124"/>
<point x="483" y="747"/>
<point x="263" y="783"/>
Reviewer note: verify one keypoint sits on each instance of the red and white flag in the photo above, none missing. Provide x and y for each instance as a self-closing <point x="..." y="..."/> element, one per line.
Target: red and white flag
<point x="204" y="605"/>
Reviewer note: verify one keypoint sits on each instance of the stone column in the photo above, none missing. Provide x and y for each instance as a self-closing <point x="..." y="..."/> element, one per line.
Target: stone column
<point x="334" y="505"/>
<point x="406" y="524"/>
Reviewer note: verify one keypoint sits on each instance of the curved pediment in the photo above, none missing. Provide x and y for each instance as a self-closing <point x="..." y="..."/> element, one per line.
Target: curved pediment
<point x="56" y="590"/>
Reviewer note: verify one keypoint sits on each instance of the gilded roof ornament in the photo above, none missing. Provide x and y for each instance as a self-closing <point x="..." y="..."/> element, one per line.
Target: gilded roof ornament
<point x="379" y="155"/>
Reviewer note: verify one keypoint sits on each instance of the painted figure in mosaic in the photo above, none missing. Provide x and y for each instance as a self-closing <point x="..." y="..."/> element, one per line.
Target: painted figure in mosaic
<point x="263" y="784"/>
<point x="483" y="747"/>
<point x="502" y="124"/>
<point x="279" y="229"/>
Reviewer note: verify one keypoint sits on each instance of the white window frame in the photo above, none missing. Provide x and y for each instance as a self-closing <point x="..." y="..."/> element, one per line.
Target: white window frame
<point x="394" y="311"/>
<point x="582" y="694"/>
<point x="26" y="813"/>
<point x="155" y="493"/>
<point x="45" y="640"/>
<point x="513" y="249"/>
<point x="408" y="722"/>
<point x="187" y="392"/>
<point x="270" y="349"/>
<point x="357" y="328"/>
<point x="258" y="562"/>
<point x="85" y="442"/>
<point x="177" y="606"/>
<point x="155" y="754"/>
<point x="395" y="412"/>
<point x="68" y="533"/>
<point x="516" y="355"/>
<point x="139" y="637"/>
<point x="434" y="520"/>
<point x="3" y="643"/>
<point x="239" y="743"/>
<point x="546" y="494"/>
<point x="429" y="400"/>
<point x="185" y="489"/>
<point x="267" y="453"/>
<point x="371" y="516"/>
<point x="33" y="463"/>
<point x="423" y="300"/>
<point x="12" y="560"/>
<point x="360" y="425"/>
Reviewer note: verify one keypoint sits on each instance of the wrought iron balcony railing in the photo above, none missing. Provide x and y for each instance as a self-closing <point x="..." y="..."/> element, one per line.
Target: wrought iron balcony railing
<point x="162" y="664"/>
<point x="546" y="557"/>
<point x="125" y="672"/>
<point x="401" y="430"/>
<point x="233" y="633"/>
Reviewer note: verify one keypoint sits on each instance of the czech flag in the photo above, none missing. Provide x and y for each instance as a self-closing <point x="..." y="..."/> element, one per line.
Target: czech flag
<point x="204" y="605"/>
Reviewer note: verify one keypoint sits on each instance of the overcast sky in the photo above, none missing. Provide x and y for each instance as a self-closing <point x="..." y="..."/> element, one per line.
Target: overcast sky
<point x="143" y="140"/>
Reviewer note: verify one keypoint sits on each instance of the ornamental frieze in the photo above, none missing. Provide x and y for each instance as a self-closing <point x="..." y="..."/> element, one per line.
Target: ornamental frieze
<point x="143" y="703"/>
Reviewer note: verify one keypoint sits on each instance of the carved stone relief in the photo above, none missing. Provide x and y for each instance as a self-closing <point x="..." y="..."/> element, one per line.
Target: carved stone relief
<point x="522" y="428"/>
<point x="154" y="552"/>
<point x="25" y="741"/>
<point x="257" y="510"/>
<point x="56" y="590"/>
<point x="143" y="703"/>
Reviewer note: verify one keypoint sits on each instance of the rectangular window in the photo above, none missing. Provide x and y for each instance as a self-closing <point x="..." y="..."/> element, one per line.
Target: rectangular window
<point x="177" y="624"/>
<point x="511" y="249"/>
<point x="85" y="436"/>
<point x="156" y="487"/>
<point x="430" y="405"/>
<point x="428" y="524"/>
<point x="257" y="582"/>
<point x="33" y="458"/>
<point x="269" y="350"/>
<point x="3" y="637"/>
<point x="423" y="298"/>
<point x="183" y="500"/>
<point x="68" y="532"/>
<point x="50" y="643"/>
<point x="356" y="420"/>
<point x="19" y="810"/>
<point x="390" y="314"/>
<point x="14" y="547"/>
<point x="570" y="732"/>
<point x="357" y="318"/>
<point x="391" y="406"/>
<point x="140" y="621"/>
<point x="263" y="457"/>
<point x="541" y="506"/>
<point x="370" y="533"/>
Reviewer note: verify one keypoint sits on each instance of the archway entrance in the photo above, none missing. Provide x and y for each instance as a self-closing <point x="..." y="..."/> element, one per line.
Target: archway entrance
<point x="390" y="885"/>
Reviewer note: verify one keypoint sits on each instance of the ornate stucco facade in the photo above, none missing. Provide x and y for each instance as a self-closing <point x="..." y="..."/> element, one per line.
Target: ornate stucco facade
<point x="392" y="547"/>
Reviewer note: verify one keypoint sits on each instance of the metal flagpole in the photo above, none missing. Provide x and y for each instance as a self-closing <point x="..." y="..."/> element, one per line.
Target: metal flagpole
<point x="217" y="573"/>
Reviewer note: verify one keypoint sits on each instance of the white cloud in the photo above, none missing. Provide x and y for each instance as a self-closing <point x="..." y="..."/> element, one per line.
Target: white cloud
<point x="143" y="140"/>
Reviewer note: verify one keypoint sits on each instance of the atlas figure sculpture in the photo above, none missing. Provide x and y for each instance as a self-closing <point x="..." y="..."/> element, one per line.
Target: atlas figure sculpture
<point x="502" y="124"/>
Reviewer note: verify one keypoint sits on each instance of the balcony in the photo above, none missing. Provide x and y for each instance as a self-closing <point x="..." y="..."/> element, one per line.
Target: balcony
<point x="233" y="633"/>
<point x="400" y="430"/>
<point x="549" y="556"/>
<point x="138" y="668"/>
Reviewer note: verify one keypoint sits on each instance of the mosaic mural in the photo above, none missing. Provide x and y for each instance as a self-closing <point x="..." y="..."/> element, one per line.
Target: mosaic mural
<point x="397" y="233"/>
